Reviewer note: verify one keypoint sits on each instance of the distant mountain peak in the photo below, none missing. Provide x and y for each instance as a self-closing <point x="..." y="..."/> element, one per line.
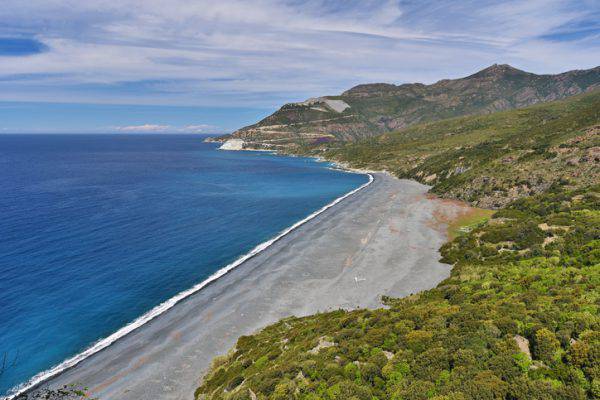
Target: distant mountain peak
<point x="503" y="67"/>
<point x="369" y="88"/>
<point x="498" y="70"/>
<point x="371" y="109"/>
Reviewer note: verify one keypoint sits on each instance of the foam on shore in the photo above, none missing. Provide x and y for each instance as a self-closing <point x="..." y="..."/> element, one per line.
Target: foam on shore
<point x="165" y="306"/>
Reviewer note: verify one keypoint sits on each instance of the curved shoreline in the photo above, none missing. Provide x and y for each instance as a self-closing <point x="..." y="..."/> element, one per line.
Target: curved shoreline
<point x="382" y="241"/>
<point x="160" y="309"/>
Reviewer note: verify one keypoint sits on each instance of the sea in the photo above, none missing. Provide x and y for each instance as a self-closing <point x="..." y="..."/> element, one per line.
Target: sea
<point x="97" y="231"/>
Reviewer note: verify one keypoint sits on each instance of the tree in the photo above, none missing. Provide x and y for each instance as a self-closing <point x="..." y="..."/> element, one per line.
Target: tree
<point x="546" y="346"/>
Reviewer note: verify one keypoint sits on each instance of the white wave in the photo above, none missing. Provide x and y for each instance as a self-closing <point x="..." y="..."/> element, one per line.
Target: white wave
<point x="163" y="307"/>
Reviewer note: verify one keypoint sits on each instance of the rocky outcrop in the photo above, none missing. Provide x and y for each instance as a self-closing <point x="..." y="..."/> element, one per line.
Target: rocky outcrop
<point x="523" y="345"/>
<point x="232" y="144"/>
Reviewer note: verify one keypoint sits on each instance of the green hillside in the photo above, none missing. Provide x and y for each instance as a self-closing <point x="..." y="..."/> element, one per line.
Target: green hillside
<point x="493" y="159"/>
<point x="518" y="317"/>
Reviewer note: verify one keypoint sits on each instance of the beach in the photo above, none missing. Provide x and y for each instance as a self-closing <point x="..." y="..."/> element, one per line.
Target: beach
<point x="381" y="240"/>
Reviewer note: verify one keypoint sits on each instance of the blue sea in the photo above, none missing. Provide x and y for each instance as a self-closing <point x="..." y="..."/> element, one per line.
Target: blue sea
<point x="98" y="229"/>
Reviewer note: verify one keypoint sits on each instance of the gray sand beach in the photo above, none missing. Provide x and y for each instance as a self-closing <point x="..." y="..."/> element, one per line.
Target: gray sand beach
<point x="382" y="240"/>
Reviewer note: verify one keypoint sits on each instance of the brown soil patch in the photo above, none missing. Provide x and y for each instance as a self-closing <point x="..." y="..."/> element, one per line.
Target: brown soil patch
<point x="450" y="214"/>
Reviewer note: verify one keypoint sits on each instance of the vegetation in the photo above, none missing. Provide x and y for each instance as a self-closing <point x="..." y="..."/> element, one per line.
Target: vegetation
<point x="67" y="392"/>
<point x="494" y="159"/>
<point x="517" y="319"/>
<point x="468" y="221"/>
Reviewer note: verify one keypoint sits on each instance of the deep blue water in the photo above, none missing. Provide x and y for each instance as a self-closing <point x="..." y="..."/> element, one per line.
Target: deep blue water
<point x="97" y="229"/>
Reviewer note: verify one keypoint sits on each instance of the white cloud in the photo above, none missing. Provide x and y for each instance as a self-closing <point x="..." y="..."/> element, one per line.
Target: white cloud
<point x="203" y="128"/>
<point x="156" y="128"/>
<point x="264" y="52"/>
<point x="143" y="128"/>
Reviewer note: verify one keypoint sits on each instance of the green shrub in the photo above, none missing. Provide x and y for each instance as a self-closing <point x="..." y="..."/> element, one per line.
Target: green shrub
<point x="546" y="346"/>
<point x="455" y="341"/>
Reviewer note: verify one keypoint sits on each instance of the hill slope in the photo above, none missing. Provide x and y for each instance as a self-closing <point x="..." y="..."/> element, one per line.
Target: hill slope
<point x="493" y="159"/>
<point x="517" y="319"/>
<point x="372" y="109"/>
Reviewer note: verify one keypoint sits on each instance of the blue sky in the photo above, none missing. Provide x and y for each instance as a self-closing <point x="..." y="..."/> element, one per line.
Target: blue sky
<point x="208" y="66"/>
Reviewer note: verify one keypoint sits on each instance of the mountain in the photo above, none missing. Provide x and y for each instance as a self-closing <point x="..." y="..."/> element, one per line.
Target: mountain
<point x="372" y="109"/>
<point x="491" y="160"/>
<point x="517" y="318"/>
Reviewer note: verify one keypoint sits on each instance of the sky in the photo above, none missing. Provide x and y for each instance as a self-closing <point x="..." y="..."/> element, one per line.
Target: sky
<point x="206" y="66"/>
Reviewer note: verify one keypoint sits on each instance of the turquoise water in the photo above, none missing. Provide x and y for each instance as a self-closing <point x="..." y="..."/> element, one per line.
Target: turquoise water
<point x="98" y="229"/>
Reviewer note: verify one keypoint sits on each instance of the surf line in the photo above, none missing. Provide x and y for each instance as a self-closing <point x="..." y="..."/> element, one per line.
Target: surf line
<point x="170" y="303"/>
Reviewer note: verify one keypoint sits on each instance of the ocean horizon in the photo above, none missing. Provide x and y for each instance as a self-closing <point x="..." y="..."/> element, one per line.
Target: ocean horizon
<point x="100" y="229"/>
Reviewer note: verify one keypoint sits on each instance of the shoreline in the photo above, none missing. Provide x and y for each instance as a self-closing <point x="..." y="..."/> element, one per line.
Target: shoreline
<point x="335" y="165"/>
<point x="39" y="379"/>
<point x="383" y="240"/>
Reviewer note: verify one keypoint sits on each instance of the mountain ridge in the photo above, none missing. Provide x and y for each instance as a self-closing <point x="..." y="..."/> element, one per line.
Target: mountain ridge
<point x="367" y="110"/>
<point x="490" y="160"/>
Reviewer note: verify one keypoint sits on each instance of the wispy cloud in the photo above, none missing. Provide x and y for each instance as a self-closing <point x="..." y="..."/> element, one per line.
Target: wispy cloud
<point x="204" y="128"/>
<point x="265" y="52"/>
<point x="156" y="128"/>
<point x="143" y="128"/>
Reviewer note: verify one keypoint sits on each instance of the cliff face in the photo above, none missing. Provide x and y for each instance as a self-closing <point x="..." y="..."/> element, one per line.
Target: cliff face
<point x="372" y="109"/>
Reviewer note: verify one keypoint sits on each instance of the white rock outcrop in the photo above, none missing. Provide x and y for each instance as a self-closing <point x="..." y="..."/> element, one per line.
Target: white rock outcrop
<point x="335" y="105"/>
<point x="233" y="144"/>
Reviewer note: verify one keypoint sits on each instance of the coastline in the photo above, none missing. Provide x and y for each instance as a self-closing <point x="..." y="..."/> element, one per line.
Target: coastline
<point x="228" y="145"/>
<point x="41" y="378"/>
<point x="383" y="240"/>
